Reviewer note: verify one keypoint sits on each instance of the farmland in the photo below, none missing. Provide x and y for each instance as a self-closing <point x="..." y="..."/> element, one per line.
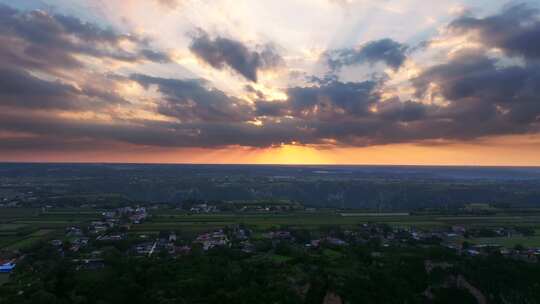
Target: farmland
<point x="23" y="227"/>
<point x="3" y="278"/>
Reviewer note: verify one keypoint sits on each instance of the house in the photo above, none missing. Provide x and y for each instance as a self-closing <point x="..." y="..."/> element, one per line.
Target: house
<point x="109" y="214"/>
<point x="89" y="264"/>
<point x="98" y="227"/>
<point x="111" y="237"/>
<point x="73" y="232"/>
<point x="144" y="248"/>
<point x="211" y="240"/>
<point x="472" y="252"/>
<point x="315" y="243"/>
<point x="241" y="234"/>
<point x="7" y="267"/>
<point x="335" y="241"/>
<point x="248" y="247"/>
<point x="284" y="235"/>
<point x="459" y="229"/>
<point x="56" y="243"/>
<point x="183" y="250"/>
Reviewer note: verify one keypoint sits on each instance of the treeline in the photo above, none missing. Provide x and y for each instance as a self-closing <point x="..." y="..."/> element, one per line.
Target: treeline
<point x="286" y="274"/>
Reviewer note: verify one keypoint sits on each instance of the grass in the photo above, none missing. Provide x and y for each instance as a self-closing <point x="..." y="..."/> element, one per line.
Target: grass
<point x="6" y="240"/>
<point x="280" y="259"/>
<point x="532" y="241"/>
<point x="24" y="243"/>
<point x="4" y="278"/>
<point x="182" y="221"/>
<point x="11" y="226"/>
<point x="42" y="232"/>
<point x="331" y="253"/>
<point x="23" y="227"/>
<point x="14" y="213"/>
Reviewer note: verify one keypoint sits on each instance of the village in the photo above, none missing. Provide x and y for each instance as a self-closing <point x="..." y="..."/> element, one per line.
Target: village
<point x="85" y="245"/>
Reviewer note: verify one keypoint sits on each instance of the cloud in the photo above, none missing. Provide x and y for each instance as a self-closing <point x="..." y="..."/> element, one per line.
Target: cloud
<point x="224" y="52"/>
<point x="36" y="39"/>
<point x="484" y="99"/>
<point x="20" y="89"/>
<point x="516" y="30"/>
<point x="53" y="91"/>
<point x="326" y="100"/>
<point x="333" y="98"/>
<point x="44" y="58"/>
<point x="402" y="111"/>
<point x="346" y="114"/>
<point x="388" y="51"/>
<point x="194" y="100"/>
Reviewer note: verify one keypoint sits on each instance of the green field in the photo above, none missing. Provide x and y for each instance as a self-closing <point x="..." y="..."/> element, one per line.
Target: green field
<point x="14" y="213"/>
<point x="11" y="227"/>
<point x="315" y="220"/>
<point x="24" y="243"/>
<point x="533" y="241"/>
<point x="4" y="278"/>
<point x="23" y="227"/>
<point x="20" y="227"/>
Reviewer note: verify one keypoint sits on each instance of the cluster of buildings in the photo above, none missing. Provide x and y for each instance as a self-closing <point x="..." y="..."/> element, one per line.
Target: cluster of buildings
<point x="205" y="241"/>
<point x="203" y="208"/>
<point x="213" y="239"/>
<point x="384" y="235"/>
<point x="134" y="215"/>
<point x="111" y="229"/>
<point x="108" y="229"/>
<point x="265" y="208"/>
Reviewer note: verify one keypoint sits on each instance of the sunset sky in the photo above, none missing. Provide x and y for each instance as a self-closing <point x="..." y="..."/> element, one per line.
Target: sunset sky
<point x="448" y="82"/>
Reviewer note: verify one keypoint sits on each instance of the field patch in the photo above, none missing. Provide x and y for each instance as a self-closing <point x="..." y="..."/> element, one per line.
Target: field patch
<point x="4" y="278"/>
<point x="11" y="226"/>
<point x="13" y="213"/>
<point x="41" y="232"/>
<point x="510" y="242"/>
<point x="375" y="214"/>
<point x="6" y="240"/>
<point x="24" y="243"/>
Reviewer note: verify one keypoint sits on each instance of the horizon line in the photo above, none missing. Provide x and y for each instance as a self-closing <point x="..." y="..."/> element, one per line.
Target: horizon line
<point x="266" y="164"/>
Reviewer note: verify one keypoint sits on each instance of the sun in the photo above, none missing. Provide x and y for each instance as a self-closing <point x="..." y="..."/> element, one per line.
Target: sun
<point x="292" y="154"/>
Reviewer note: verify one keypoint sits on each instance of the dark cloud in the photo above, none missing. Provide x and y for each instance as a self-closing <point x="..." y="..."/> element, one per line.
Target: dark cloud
<point x="224" y="52"/>
<point x="388" y="51"/>
<point x="326" y="100"/>
<point x="36" y="39"/>
<point x="40" y="66"/>
<point x="402" y="111"/>
<point x="195" y="100"/>
<point x="516" y="30"/>
<point x="272" y="108"/>
<point x="484" y="98"/>
<point x="149" y="133"/>
<point x="20" y="89"/>
<point x="482" y="101"/>
<point x="334" y="98"/>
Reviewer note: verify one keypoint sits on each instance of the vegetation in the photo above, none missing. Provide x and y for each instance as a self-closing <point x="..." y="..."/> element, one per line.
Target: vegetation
<point x="295" y="275"/>
<point x="238" y="234"/>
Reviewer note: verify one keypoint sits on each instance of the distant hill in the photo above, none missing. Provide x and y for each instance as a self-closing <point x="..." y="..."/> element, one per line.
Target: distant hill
<point x="372" y="187"/>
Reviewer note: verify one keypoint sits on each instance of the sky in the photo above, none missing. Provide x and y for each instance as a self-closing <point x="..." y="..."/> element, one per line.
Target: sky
<point x="408" y="82"/>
